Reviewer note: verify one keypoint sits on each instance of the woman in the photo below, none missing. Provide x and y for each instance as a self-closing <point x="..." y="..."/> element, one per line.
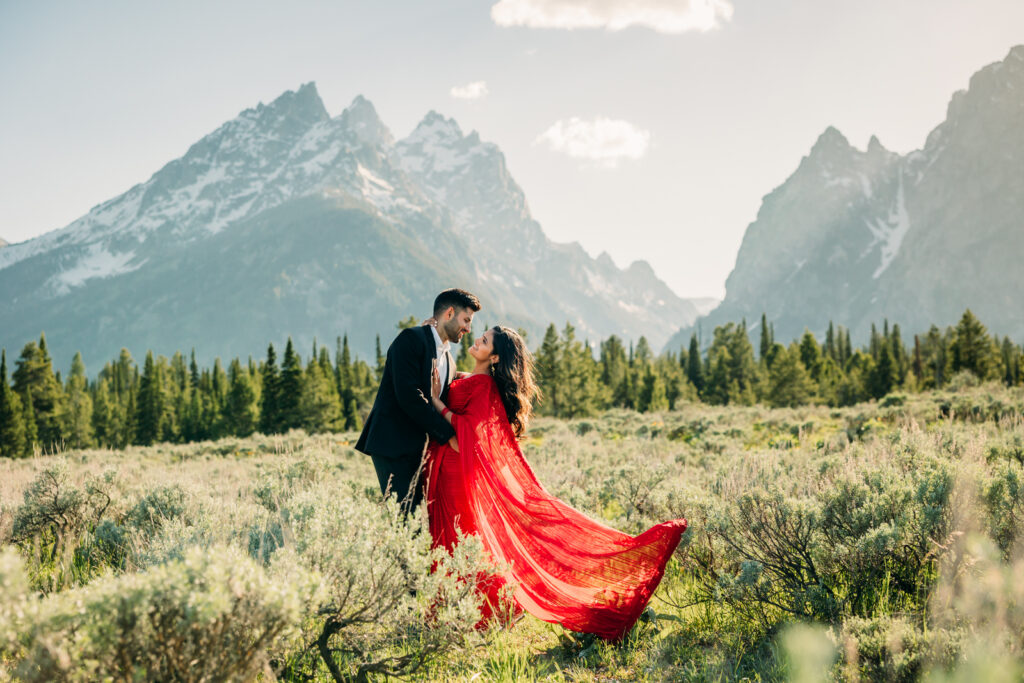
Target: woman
<point x="564" y="567"/>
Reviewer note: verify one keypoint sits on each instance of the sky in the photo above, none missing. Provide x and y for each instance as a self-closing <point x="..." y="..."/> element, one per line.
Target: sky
<point x="648" y="129"/>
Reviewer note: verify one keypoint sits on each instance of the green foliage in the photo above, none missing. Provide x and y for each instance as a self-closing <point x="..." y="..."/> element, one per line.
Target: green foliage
<point x="789" y="383"/>
<point x="13" y="441"/>
<point x="212" y="615"/>
<point x="241" y="411"/>
<point x="387" y="603"/>
<point x="77" y="425"/>
<point x="290" y="396"/>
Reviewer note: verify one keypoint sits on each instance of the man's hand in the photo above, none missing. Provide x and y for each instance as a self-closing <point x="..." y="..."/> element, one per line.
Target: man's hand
<point x="453" y="443"/>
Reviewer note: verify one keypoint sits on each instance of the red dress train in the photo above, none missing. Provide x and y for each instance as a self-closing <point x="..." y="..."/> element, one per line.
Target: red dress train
<point x="566" y="568"/>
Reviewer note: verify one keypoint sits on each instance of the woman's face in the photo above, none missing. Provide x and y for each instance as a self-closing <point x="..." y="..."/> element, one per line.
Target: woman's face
<point x="483" y="347"/>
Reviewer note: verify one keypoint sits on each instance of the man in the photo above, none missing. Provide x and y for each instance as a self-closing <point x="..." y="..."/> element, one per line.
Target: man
<point x="402" y="417"/>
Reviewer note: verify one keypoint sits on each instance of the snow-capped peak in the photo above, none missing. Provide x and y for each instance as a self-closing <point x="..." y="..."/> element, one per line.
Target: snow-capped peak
<point x="362" y="119"/>
<point x="435" y="128"/>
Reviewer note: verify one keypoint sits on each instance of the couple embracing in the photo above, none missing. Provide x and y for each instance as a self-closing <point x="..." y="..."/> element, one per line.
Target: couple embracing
<point x="452" y="438"/>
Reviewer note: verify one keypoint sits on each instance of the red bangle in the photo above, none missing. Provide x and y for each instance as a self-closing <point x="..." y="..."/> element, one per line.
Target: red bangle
<point x="445" y="411"/>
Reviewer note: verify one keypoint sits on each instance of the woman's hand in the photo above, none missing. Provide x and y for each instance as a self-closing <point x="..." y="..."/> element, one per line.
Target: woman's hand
<point x="435" y="382"/>
<point x="432" y="321"/>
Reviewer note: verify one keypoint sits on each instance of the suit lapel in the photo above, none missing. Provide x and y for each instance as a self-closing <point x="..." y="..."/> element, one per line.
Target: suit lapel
<point x="451" y="367"/>
<point x="430" y="353"/>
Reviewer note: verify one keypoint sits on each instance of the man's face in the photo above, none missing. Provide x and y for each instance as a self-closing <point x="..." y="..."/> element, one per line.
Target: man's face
<point x="457" y="322"/>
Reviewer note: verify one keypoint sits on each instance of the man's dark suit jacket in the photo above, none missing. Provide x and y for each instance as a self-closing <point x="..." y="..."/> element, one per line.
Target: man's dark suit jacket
<point x="402" y="416"/>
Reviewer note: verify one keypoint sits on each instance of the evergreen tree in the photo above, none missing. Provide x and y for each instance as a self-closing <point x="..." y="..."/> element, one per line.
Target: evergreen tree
<point x="215" y="399"/>
<point x="149" y="423"/>
<point x="13" y="443"/>
<point x="875" y="342"/>
<point x="77" y="428"/>
<point x="737" y="379"/>
<point x="766" y="341"/>
<point x="347" y="389"/>
<point x="694" y="365"/>
<point x="381" y="360"/>
<point x="193" y="370"/>
<point x="789" y="383"/>
<point x="270" y="412"/>
<point x="549" y="371"/>
<point x="810" y="354"/>
<point x="652" y="396"/>
<point x="290" y="397"/>
<point x="853" y="385"/>
<point x="882" y="377"/>
<point x="716" y="389"/>
<point x="972" y="349"/>
<point x="936" y="357"/>
<point x="34" y="377"/>
<point x="899" y="354"/>
<point x="830" y="377"/>
<point x="105" y="429"/>
<point x="28" y="419"/>
<point x="581" y="394"/>
<point x="643" y="356"/>
<point x="241" y="414"/>
<point x="918" y="363"/>
<point x="1011" y="366"/>
<point x="614" y="370"/>
<point x="465" y="362"/>
<point x="319" y="407"/>
<point x="830" y="343"/>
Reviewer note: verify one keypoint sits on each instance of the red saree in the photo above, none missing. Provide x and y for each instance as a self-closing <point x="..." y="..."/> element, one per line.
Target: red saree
<point x="566" y="568"/>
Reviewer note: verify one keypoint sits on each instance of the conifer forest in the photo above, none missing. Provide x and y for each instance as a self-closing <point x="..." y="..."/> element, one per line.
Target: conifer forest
<point x="173" y="400"/>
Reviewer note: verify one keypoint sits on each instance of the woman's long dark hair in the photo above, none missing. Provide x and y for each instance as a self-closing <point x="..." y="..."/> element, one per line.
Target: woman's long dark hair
<point x="513" y="373"/>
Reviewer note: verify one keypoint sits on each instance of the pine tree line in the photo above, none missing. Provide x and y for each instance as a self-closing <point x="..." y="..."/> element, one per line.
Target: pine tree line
<point x="171" y="400"/>
<point x="831" y="371"/>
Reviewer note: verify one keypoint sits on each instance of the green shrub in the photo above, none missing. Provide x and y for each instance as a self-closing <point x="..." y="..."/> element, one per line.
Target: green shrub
<point x="156" y="507"/>
<point x="381" y="608"/>
<point x="885" y="648"/>
<point x="211" y="616"/>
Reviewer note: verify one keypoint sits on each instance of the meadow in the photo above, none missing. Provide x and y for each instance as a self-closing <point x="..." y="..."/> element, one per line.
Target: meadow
<point x="878" y="541"/>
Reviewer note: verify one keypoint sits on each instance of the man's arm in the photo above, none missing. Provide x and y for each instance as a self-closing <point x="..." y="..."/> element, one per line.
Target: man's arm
<point x="406" y="355"/>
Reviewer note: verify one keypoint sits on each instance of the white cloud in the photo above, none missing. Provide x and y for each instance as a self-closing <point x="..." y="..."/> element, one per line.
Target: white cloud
<point x="470" y="91"/>
<point x="663" y="16"/>
<point x="601" y="140"/>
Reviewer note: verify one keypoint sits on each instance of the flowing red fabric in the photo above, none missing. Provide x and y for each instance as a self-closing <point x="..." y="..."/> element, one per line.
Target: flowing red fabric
<point x="565" y="567"/>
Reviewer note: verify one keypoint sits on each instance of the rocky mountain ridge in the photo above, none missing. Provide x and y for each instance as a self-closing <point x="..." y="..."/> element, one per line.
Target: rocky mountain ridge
<point x="858" y="236"/>
<point x="285" y="220"/>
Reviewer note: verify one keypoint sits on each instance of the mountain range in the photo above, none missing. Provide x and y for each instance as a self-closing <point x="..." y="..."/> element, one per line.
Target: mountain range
<point x="858" y="236"/>
<point x="287" y="221"/>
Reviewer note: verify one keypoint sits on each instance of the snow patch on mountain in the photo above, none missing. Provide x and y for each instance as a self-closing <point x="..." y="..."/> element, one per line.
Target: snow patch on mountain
<point x="96" y="262"/>
<point x="889" y="233"/>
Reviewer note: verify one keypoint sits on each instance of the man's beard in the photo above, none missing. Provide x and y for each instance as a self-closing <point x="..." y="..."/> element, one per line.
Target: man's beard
<point x="452" y="330"/>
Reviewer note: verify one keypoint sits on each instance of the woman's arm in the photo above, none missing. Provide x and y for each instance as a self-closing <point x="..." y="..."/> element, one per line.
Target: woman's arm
<point x="439" y="406"/>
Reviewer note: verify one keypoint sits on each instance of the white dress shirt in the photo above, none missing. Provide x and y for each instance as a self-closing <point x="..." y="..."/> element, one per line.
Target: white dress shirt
<point x="442" y="356"/>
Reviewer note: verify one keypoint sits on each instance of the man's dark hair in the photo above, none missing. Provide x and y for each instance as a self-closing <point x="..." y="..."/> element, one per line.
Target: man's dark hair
<point x="458" y="298"/>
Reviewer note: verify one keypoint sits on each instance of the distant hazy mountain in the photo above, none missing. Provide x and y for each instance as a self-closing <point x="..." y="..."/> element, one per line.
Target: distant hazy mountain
<point x="287" y="221"/>
<point x="857" y="236"/>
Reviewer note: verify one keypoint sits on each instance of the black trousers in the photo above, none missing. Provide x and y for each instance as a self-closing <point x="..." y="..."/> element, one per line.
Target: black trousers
<point x="404" y="477"/>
